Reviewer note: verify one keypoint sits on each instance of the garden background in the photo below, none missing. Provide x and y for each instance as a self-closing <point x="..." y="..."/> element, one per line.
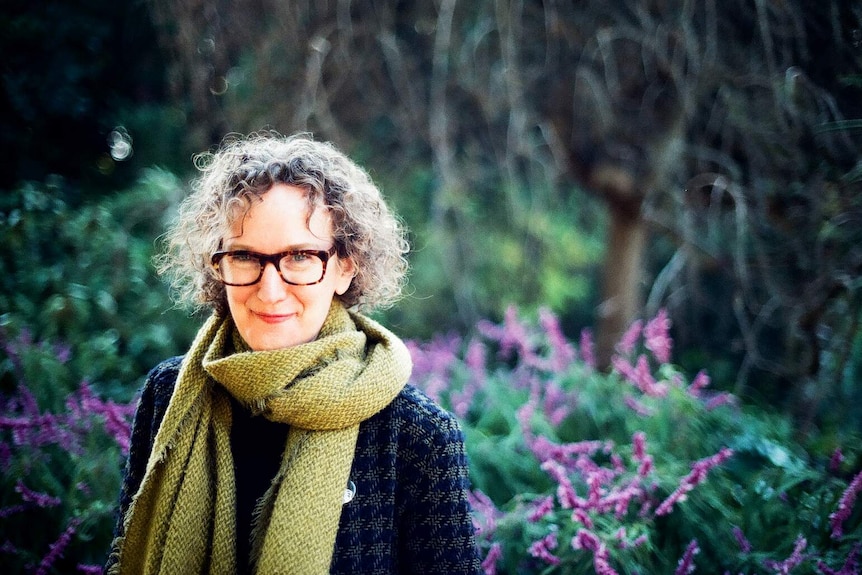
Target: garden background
<point x="636" y="255"/>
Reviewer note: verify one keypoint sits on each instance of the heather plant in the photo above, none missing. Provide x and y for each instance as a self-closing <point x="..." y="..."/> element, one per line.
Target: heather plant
<point x="82" y="319"/>
<point x="641" y="470"/>
<point x="61" y="450"/>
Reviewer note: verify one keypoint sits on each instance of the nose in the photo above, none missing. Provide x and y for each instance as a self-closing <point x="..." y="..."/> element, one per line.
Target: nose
<point x="271" y="287"/>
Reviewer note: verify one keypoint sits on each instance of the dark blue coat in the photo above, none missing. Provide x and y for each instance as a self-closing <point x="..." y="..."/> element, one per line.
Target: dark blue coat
<point x="409" y="514"/>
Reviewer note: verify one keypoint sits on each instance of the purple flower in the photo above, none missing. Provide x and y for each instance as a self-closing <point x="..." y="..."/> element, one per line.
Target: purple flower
<point x="512" y="337"/>
<point x="580" y="515"/>
<point x="542" y="507"/>
<point x="657" y="338"/>
<point x="638" y="407"/>
<point x="845" y="506"/>
<point x="562" y="352"/>
<point x="542" y="549"/>
<point x="56" y="549"/>
<point x="695" y="477"/>
<point x="485" y="513"/>
<point x="11" y="510"/>
<point x="686" y="563"/>
<point x="836" y="460"/>
<point x="627" y="342"/>
<point x="489" y="565"/>
<point x="557" y="403"/>
<point x="37" y="498"/>
<point x="91" y="569"/>
<point x="589" y="541"/>
<point x="784" y="567"/>
<point x="718" y="400"/>
<point x="639" y="446"/>
<point x="475" y="360"/>
<point x="640" y="375"/>
<point x="565" y="490"/>
<point x="744" y="544"/>
<point x="850" y="567"/>
<point x="588" y="354"/>
<point x="700" y="381"/>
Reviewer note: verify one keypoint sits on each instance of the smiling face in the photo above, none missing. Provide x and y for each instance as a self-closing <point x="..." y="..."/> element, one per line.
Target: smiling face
<point x="272" y="314"/>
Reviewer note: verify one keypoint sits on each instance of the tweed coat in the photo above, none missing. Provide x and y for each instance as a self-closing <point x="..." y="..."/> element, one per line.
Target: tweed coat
<point x="408" y="513"/>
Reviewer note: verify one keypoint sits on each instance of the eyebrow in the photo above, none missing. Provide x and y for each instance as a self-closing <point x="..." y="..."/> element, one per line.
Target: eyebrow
<point x="228" y="246"/>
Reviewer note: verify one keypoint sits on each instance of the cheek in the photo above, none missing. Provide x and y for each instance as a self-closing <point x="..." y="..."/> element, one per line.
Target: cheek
<point x="236" y="297"/>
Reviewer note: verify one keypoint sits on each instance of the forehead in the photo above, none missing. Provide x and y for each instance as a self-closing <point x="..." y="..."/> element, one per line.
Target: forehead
<point x="284" y="212"/>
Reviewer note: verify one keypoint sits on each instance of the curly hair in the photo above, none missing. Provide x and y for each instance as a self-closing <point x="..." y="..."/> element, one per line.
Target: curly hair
<point x="240" y="172"/>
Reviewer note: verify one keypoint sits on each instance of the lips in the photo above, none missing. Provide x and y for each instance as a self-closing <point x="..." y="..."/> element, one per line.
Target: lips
<point x="273" y="318"/>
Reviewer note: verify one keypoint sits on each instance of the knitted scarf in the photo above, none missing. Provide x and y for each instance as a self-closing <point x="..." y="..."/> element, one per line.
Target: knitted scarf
<point x="183" y="519"/>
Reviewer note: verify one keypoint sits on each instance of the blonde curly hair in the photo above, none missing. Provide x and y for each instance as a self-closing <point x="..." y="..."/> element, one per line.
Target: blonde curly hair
<point x="240" y="172"/>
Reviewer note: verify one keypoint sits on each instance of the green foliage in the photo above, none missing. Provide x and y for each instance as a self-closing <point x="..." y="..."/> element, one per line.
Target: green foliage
<point x="523" y="407"/>
<point x="83" y="278"/>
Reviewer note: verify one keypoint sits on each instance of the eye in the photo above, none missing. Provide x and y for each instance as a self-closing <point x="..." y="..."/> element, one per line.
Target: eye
<point x="242" y="258"/>
<point x="299" y="257"/>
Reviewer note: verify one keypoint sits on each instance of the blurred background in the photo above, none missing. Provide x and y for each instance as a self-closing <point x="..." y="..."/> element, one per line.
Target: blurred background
<point x="601" y="159"/>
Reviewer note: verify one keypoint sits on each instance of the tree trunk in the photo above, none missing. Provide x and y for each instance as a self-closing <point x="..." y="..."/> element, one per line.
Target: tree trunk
<point x="621" y="289"/>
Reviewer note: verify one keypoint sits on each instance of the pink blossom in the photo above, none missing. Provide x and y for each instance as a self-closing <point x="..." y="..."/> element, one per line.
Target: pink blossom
<point x="845" y="506"/>
<point x="588" y="354"/>
<point x="836" y="460"/>
<point x="742" y="540"/>
<point x="489" y="565"/>
<point x="542" y="549"/>
<point x="640" y="375"/>
<point x="850" y="567"/>
<point x="627" y="342"/>
<point x="485" y="513"/>
<point x="566" y="494"/>
<point x="639" y="446"/>
<point x="657" y="336"/>
<point x="562" y="352"/>
<point x="586" y="539"/>
<point x="37" y="498"/>
<point x="719" y="400"/>
<point x="542" y="507"/>
<point x="56" y="549"/>
<point x="475" y="359"/>
<point x="645" y="381"/>
<point x="700" y="381"/>
<point x="695" y="477"/>
<point x="589" y="541"/>
<point x="686" y="563"/>
<point x="579" y="515"/>
<point x="638" y="407"/>
<point x="556" y="404"/>
<point x="512" y="337"/>
<point x="784" y="567"/>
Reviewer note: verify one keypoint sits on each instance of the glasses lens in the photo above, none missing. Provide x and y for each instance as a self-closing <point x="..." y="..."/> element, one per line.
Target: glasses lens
<point x="301" y="268"/>
<point x="239" y="268"/>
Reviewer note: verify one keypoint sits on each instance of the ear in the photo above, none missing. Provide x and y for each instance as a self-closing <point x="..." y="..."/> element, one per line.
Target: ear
<point x="345" y="272"/>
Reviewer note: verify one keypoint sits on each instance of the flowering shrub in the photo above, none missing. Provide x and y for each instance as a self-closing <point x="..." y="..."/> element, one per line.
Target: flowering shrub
<point x="637" y="471"/>
<point x="641" y="470"/>
<point x="60" y="452"/>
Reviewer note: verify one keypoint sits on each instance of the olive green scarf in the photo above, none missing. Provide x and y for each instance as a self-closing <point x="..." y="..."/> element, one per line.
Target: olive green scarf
<point x="183" y="519"/>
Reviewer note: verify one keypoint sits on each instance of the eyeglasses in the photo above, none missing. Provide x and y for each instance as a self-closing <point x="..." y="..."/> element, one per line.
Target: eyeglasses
<point x="296" y="267"/>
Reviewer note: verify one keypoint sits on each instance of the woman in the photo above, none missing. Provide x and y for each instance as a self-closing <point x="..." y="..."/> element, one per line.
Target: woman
<point x="287" y="439"/>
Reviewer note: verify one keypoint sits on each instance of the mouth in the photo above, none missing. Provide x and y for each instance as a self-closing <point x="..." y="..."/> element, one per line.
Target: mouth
<point x="273" y="318"/>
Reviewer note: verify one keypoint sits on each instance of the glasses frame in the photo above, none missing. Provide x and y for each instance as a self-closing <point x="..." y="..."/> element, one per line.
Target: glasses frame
<point x="274" y="259"/>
